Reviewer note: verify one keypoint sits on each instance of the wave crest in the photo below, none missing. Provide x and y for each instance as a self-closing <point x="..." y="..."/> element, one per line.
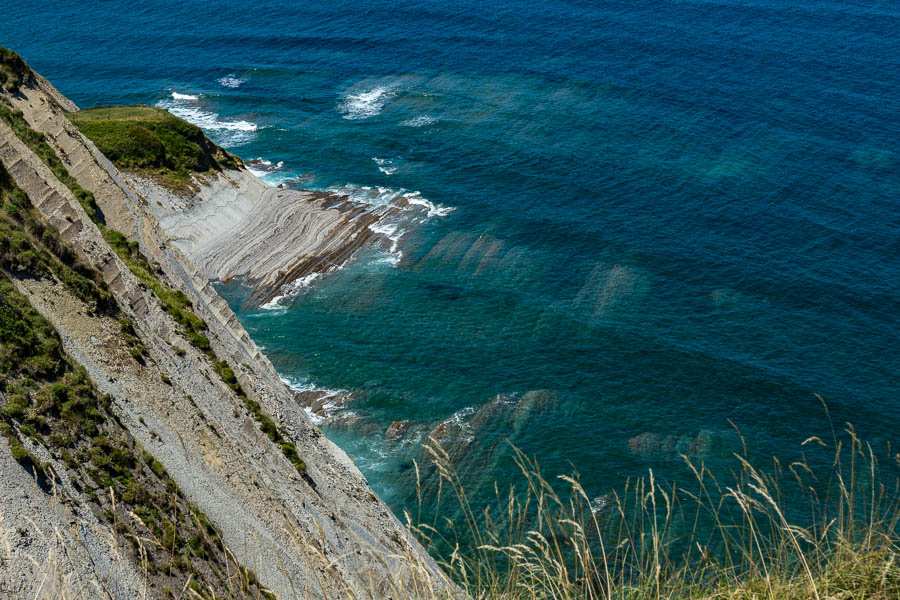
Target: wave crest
<point x="420" y="121"/>
<point x="231" y="81"/>
<point x="363" y="104"/>
<point x="184" y="106"/>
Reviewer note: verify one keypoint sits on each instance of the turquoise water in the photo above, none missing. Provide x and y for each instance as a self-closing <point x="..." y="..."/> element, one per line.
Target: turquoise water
<point x="665" y="216"/>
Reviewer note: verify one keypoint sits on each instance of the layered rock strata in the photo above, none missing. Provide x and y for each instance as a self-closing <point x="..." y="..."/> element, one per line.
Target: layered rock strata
<point x="235" y="226"/>
<point x="324" y="534"/>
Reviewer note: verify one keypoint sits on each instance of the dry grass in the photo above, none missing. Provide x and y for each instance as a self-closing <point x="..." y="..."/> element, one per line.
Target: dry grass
<point x="789" y="531"/>
<point x="784" y="532"/>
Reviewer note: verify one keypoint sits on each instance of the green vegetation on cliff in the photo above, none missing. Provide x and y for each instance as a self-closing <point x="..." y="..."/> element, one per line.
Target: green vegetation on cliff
<point x="28" y="244"/>
<point x="13" y="70"/>
<point x="152" y="141"/>
<point x="38" y="144"/>
<point x="47" y="400"/>
<point x="175" y="302"/>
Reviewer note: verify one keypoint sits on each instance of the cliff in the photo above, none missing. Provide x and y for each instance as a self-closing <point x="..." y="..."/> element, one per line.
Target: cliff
<point x="162" y="455"/>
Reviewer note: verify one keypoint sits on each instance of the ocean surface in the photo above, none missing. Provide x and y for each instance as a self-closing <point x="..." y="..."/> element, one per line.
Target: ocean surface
<point x="655" y="221"/>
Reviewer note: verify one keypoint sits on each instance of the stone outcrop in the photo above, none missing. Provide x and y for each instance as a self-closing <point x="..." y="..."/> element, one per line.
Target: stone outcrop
<point x="322" y="534"/>
<point x="273" y="239"/>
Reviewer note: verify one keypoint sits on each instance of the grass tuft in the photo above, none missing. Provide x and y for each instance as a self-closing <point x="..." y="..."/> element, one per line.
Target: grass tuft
<point x="153" y="141"/>
<point x="788" y="532"/>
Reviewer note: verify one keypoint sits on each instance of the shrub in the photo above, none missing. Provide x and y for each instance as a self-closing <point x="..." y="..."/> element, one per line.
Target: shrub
<point x="151" y="139"/>
<point x="13" y="70"/>
<point x="16" y="406"/>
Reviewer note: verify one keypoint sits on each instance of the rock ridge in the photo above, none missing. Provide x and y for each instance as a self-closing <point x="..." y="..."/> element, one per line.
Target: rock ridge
<point x="320" y="536"/>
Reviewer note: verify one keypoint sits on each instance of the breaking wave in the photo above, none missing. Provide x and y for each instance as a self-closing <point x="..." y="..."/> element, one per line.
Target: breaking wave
<point x="230" y="132"/>
<point x="393" y="233"/>
<point x="290" y="291"/>
<point x="385" y="165"/>
<point x="383" y="196"/>
<point x="231" y="81"/>
<point x="363" y="104"/>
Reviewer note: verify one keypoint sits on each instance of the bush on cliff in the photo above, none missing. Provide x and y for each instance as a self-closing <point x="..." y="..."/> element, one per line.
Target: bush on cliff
<point x="29" y="245"/>
<point x="13" y="70"/>
<point x="150" y="139"/>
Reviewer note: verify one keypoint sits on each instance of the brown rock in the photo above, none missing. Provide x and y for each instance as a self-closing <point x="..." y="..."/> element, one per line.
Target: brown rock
<point x="397" y="430"/>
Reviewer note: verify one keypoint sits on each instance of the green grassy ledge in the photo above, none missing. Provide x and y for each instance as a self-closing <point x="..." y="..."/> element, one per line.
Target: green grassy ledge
<point x="173" y="301"/>
<point x="153" y="141"/>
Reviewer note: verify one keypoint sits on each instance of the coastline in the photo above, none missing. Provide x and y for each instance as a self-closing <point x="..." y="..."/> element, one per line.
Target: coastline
<point x="197" y="428"/>
<point x="274" y="239"/>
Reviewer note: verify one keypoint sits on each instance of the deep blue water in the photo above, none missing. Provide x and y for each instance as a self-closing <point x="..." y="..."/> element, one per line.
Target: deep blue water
<point x="670" y="215"/>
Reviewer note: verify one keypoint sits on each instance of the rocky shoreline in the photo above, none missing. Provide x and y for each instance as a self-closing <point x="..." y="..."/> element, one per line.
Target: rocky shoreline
<point x="318" y="533"/>
<point x="271" y="238"/>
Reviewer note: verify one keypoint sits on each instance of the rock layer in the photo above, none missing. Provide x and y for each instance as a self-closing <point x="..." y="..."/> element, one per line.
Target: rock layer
<point x="325" y="535"/>
<point x="271" y="238"/>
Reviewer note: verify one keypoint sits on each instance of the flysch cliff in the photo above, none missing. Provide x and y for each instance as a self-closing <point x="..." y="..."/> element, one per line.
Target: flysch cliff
<point x="235" y="226"/>
<point x="212" y="420"/>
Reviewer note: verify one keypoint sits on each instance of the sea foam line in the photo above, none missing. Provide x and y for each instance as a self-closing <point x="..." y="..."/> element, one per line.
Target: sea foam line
<point x="272" y="174"/>
<point x="290" y="290"/>
<point x="231" y="81"/>
<point x="358" y="105"/>
<point x="385" y="165"/>
<point x="393" y="233"/>
<point x="332" y="397"/>
<point x="185" y="107"/>
<point x="420" y="121"/>
<point x="382" y="196"/>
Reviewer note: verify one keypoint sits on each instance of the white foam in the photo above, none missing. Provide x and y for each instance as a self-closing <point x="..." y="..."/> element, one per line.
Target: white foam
<point x="420" y="121"/>
<point x="459" y="418"/>
<point x="316" y="419"/>
<point x="332" y="397"/>
<point x="270" y="178"/>
<point x="290" y="290"/>
<point x="236" y="131"/>
<point x="600" y="503"/>
<point x="231" y="81"/>
<point x="365" y="194"/>
<point x="385" y="165"/>
<point x="383" y="196"/>
<point x="434" y="210"/>
<point x="190" y="97"/>
<point x="298" y="385"/>
<point x="393" y="233"/>
<point x="269" y="173"/>
<point x="274" y="304"/>
<point x="363" y="104"/>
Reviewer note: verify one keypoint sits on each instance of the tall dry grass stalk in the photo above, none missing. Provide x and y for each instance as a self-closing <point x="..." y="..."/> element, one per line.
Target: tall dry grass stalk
<point x="788" y="531"/>
<point x="784" y="532"/>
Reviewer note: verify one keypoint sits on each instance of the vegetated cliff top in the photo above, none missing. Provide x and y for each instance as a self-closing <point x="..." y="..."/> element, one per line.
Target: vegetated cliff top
<point x="13" y="70"/>
<point x="152" y="140"/>
<point x="134" y="397"/>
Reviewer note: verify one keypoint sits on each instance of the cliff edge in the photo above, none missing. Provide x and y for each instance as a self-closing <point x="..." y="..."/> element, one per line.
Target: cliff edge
<point x="161" y="455"/>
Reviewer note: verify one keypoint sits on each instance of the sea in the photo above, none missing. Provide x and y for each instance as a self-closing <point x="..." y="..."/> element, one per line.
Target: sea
<point x="651" y="230"/>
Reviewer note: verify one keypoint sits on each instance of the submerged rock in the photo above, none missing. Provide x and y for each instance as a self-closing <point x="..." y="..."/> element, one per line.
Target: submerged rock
<point x="650" y="445"/>
<point x="397" y="430"/>
<point x="475" y="438"/>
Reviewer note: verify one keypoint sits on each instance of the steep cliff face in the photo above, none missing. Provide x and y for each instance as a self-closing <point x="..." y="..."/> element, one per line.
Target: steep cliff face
<point x="187" y="391"/>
